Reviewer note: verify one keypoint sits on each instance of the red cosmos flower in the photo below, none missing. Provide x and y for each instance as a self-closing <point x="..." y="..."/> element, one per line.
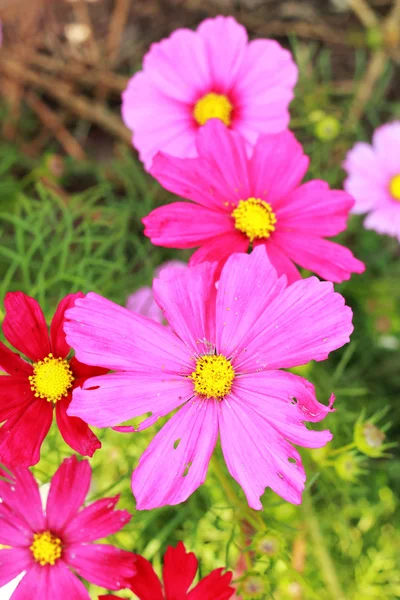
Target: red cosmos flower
<point x="33" y="389"/>
<point x="178" y="573"/>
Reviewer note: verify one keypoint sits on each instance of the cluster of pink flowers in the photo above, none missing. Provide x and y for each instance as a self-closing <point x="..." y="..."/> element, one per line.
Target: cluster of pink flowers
<point x="210" y="342"/>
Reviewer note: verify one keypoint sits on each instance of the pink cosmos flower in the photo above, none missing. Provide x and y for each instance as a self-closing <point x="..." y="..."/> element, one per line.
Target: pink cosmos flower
<point x="33" y="391"/>
<point x="213" y="72"/>
<point x="142" y="301"/>
<point x="179" y="571"/>
<point x="50" y="546"/>
<point x="240" y="202"/>
<point x="374" y="179"/>
<point x="219" y="366"/>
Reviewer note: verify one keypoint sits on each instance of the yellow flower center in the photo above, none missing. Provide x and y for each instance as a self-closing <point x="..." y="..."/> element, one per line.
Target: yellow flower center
<point x="213" y="376"/>
<point x="394" y="187"/>
<point x="213" y="106"/>
<point x="46" y="548"/>
<point x="255" y="218"/>
<point x="51" y="379"/>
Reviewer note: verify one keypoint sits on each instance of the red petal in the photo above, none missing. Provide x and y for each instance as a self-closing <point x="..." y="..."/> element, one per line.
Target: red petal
<point x="179" y="571"/>
<point x="213" y="587"/>
<point x="75" y="432"/>
<point x="15" y="395"/>
<point x="12" y="363"/>
<point x="145" y="584"/>
<point x="25" y="327"/>
<point x="82" y="371"/>
<point x="21" y="436"/>
<point x="59" y="346"/>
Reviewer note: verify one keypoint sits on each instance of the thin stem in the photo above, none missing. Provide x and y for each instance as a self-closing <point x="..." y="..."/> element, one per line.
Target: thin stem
<point x="321" y="552"/>
<point x="342" y="449"/>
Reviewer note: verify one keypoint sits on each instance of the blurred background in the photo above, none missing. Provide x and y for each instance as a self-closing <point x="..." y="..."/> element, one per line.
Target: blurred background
<point x="72" y="196"/>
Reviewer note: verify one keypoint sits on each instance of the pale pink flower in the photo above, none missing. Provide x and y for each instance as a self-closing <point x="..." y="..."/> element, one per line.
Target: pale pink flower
<point x="142" y="301"/>
<point x="374" y="179"/>
<point x="239" y="202"/>
<point x="219" y="366"/>
<point x="213" y="72"/>
<point x="54" y="545"/>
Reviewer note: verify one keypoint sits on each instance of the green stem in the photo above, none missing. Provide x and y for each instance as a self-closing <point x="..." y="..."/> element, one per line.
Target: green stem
<point x="341" y="449"/>
<point x="321" y="552"/>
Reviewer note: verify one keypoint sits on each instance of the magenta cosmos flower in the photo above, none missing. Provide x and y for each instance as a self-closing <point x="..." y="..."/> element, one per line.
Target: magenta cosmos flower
<point x="240" y="202"/>
<point x="51" y="545"/>
<point x="219" y="366"/>
<point x="214" y="72"/>
<point x="374" y="179"/>
<point x="40" y="386"/>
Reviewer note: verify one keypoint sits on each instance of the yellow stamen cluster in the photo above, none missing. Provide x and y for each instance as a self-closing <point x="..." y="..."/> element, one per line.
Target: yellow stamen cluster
<point x="213" y="376"/>
<point x="51" y="379"/>
<point x="255" y="218"/>
<point x="46" y="548"/>
<point x="213" y="106"/>
<point x="394" y="187"/>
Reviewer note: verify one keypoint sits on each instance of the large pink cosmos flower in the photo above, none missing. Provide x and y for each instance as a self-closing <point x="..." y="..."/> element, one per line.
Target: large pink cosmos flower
<point x="374" y="179"/>
<point x="50" y="545"/>
<point x="214" y="72"/>
<point x="219" y="366"/>
<point x="240" y="202"/>
<point x="33" y="391"/>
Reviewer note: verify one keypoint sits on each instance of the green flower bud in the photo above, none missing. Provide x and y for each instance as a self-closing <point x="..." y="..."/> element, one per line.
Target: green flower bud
<point x="327" y="129"/>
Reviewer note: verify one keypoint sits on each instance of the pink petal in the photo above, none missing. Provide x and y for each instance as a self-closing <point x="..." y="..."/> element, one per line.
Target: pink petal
<point x="306" y="321"/>
<point x="21" y="437"/>
<point x="179" y="66"/>
<point x="12" y="563"/>
<point x="158" y="121"/>
<point x="176" y="461"/>
<point x="385" y="220"/>
<point x="247" y="284"/>
<point x="34" y="585"/>
<point x="219" y="249"/>
<point x="265" y="81"/>
<point x="367" y="179"/>
<point x="96" y="521"/>
<point x="225" y="42"/>
<point x="257" y="456"/>
<point x="14" y="530"/>
<point x="59" y="346"/>
<point x="24" y="326"/>
<point x="386" y="143"/>
<point x="75" y="432"/>
<point x="102" y="564"/>
<point x="187" y="299"/>
<point x="68" y="490"/>
<point x="277" y="167"/>
<point x="226" y="154"/>
<point x="118" y="397"/>
<point x="327" y="259"/>
<point x="196" y="179"/>
<point x="315" y="209"/>
<point x="61" y="578"/>
<point x="21" y="495"/>
<point x="285" y="401"/>
<point x="184" y="225"/>
<point x="103" y="333"/>
<point x="142" y="301"/>
<point x="11" y="363"/>
<point x="281" y="262"/>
